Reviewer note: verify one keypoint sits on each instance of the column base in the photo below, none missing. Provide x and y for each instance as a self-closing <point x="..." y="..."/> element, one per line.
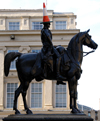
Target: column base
<point x="48" y="107"/>
<point x="21" y="107"/>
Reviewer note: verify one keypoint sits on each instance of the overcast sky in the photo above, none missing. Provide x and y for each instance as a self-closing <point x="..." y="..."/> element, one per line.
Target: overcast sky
<point x="88" y="17"/>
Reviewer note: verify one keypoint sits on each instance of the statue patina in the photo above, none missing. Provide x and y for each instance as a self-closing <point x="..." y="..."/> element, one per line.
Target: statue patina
<point x="32" y="66"/>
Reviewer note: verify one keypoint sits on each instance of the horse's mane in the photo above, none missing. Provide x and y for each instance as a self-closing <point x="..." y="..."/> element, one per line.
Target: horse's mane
<point x="76" y="39"/>
<point x="73" y="43"/>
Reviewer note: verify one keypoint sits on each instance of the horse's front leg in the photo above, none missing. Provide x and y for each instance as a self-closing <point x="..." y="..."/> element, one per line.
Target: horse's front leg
<point x="75" y="94"/>
<point x="25" y="87"/>
<point x="17" y="92"/>
<point x="75" y="98"/>
<point x="71" y="83"/>
<point x="78" y="74"/>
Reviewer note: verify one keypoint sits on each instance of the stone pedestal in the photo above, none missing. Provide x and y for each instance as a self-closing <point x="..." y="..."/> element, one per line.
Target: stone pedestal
<point x="48" y="117"/>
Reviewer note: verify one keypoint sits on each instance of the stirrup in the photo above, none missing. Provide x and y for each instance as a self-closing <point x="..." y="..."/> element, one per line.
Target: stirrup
<point x="60" y="78"/>
<point x="60" y="82"/>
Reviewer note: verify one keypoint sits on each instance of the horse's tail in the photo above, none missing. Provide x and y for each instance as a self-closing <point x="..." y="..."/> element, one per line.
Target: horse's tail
<point x="7" y="61"/>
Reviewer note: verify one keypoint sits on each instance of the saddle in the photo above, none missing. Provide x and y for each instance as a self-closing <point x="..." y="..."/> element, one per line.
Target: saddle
<point x="65" y="61"/>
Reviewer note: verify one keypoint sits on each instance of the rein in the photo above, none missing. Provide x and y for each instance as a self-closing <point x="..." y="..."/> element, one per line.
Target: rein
<point x="88" y="52"/>
<point x="82" y="51"/>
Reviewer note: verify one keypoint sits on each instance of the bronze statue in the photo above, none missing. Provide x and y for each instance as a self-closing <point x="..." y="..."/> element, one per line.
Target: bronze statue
<point x="48" y="48"/>
<point x="31" y="66"/>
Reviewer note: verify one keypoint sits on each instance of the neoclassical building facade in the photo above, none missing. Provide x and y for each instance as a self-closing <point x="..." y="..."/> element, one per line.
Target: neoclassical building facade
<point x="20" y="30"/>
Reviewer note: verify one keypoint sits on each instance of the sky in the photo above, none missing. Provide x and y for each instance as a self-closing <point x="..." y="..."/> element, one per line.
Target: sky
<point x="88" y="17"/>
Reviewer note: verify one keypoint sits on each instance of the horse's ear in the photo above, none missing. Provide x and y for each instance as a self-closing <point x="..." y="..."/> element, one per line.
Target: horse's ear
<point x="88" y="30"/>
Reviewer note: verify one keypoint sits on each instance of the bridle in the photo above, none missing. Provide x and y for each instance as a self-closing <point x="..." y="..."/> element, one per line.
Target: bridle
<point x="86" y="53"/>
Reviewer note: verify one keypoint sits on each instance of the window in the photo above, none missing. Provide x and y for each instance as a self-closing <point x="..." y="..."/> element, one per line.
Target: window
<point x="1" y="22"/>
<point x="36" y="51"/>
<point x="60" y="96"/>
<point x="14" y="25"/>
<point x="11" y="87"/>
<point x="60" y="25"/>
<point x="36" y="26"/>
<point x="89" y="113"/>
<point x="72" y="21"/>
<point x="13" y="63"/>
<point x="96" y="116"/>
<point x="25" y="22"/>
<point x="36" y="95"/>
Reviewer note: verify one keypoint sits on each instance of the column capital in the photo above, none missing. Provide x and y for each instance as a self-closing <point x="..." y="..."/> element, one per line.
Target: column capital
<point x="3" y="48"/>
<point x="24" y="49"/>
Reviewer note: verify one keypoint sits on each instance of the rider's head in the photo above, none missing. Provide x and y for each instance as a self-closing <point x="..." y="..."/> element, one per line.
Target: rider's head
<point x="46" y="20"/>
<point x="46" y="25"/>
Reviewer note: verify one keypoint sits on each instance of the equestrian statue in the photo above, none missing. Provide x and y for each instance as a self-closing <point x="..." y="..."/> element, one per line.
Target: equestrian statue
<point x="53" y="63"/>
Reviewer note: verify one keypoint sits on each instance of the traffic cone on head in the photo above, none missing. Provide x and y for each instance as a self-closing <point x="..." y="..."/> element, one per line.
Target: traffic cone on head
<point x="45" y="15"/>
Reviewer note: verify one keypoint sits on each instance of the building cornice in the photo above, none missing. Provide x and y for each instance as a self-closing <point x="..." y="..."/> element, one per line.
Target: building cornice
<point x="68" y="16"/>
<point x="37" y="32"/>
<point x="38" y="13"/>
<point x="36" y="16"/>
<point x="23" y="10"/>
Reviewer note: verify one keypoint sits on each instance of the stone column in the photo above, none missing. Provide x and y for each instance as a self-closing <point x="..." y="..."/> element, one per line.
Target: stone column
<point x="2" y="49"/>
<point x="23" y="49"/>
<point x="48" y="102"/>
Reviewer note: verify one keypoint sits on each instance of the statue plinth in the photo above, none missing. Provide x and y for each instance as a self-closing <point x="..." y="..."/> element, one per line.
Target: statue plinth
<point x="48" y="117"/>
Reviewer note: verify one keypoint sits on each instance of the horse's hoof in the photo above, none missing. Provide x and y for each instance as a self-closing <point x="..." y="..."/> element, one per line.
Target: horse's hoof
<point x="79" y="111"/>
<point x="29" y="112"/>
<point x="74" y="110"/>
<point x="17" y="112"/>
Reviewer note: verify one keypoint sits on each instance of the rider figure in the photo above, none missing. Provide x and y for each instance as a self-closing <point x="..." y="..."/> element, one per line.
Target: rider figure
<point x="48" y="48"/>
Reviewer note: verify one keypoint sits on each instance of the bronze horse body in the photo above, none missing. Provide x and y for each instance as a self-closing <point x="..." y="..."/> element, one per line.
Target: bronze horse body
<point x="30" y="66"/>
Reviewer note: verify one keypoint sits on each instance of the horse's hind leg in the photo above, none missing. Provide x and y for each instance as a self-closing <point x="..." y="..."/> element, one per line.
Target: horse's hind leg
<point x="17" y="92"/>
<point x="25" y="87"/>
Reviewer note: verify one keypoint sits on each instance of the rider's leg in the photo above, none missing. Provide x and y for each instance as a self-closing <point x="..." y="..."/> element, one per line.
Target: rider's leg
<point x="58" y="62"/>
<point x="59" y="77"/>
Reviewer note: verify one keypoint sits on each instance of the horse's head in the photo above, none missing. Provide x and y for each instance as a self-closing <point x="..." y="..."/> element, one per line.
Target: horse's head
<point x="88" y="41"/>
<point x="75" y="45"/>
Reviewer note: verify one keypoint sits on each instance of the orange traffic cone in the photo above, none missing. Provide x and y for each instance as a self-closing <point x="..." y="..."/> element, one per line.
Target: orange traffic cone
<point x="45" y="15"/>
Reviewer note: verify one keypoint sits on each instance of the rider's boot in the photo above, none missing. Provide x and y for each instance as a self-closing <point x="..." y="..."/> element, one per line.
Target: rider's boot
<point x="59" y="77"/>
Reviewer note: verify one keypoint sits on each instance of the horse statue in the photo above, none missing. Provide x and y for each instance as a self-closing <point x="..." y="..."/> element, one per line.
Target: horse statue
<point x="31" y="66"/>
